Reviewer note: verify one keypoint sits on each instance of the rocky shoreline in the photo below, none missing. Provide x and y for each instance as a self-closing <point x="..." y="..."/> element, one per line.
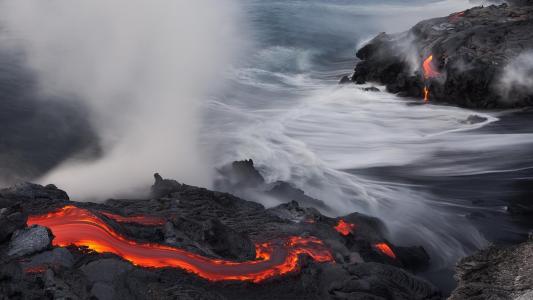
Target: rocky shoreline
<point x="211" y="224"/>
<point x="219" y="226"/>
<point x="478" y="58"/>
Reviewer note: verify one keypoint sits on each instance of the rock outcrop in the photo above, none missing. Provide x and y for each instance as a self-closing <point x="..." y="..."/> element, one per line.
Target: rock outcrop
<point x="479" y="58"/>
<point x="496" y="273"/>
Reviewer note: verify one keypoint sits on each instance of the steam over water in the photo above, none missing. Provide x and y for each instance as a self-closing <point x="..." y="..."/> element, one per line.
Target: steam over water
<point x="438" y="176"/>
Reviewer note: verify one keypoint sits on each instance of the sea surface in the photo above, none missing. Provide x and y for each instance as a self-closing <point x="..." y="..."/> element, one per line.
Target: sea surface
<point x="438" y="176"/>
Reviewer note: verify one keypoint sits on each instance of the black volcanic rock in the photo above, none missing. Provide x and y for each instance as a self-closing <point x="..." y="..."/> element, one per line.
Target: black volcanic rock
<point x="484" y="57"/>
<point x="29" y="241"/>
<point x="227" y="242"/>
<point x="11" y="219"/>
<point x="374" y="281"/>
<point x="215" y="225"/>
<point x="496" y="273"/>
<point x="243" y="179"/>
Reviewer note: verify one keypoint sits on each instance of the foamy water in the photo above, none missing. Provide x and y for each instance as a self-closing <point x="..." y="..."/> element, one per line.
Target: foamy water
<point x="341" y="144"/>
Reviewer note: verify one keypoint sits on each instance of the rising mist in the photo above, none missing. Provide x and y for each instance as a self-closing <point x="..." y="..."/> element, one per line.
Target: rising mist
<point x="143" y="68"/>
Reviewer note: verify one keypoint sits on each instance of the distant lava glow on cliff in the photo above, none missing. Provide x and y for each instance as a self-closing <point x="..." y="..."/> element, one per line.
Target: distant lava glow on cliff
<point x="344" y="227"/>
<point x="429" y="72"/>
<point x="80" y="227"/>
<point x="429" y="69"/>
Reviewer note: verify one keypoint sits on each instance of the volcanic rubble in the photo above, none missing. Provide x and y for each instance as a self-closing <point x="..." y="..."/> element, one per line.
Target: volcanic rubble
<point x="220" y="226"/>
<point x="478" y="58"/>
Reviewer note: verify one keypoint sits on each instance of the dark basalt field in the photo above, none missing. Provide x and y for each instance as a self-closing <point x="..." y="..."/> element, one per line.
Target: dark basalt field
<point x="209" y="224"/>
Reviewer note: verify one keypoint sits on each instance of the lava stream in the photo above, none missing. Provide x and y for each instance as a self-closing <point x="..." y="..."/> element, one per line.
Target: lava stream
<point x="429" y="72"/>
<point x="80" y="227"/>
<point x="429" y="69"/>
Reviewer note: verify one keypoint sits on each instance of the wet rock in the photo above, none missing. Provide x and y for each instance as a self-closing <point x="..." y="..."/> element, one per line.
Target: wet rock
<point x="496" y="273"/>
<point x="474" y="119"/>
<point x="285" y="192"/>
<point x="345" y="80"/>
<point x="29" y="241"/>
<point x="471" y="51"/>
<point x="371" y="89"/>
<point x="294" y="212"/>
<point x="243" y="179"/>
<point x="11" y="219"/>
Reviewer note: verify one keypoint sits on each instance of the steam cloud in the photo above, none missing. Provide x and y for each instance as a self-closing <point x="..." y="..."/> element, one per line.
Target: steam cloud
<point x="143" y="69"/>
<point x="517" y="77"/>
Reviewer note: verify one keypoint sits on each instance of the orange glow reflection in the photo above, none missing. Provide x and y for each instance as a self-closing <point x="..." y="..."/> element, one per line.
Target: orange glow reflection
<point x="344" y="228"/>
<point x="79" y="227"/>
<point x="385" y="249"/>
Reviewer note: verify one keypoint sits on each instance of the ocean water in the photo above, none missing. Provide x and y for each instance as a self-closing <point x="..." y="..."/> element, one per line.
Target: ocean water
<point x="438" y="176"/>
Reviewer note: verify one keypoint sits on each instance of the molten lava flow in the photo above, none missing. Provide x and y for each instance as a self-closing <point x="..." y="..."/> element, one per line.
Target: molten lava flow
<point x="426" y="94"/>
<point x="429" y="70"/>
<point x="79" y="227"/>
<point x="143" y="220"/>
<point x="344" y="228"/>
<point x="385" y="249"/>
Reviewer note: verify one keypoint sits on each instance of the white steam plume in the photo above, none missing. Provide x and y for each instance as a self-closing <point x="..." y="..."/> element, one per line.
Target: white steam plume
<point x="143" y="69"/>
<point x="517" y="77"/>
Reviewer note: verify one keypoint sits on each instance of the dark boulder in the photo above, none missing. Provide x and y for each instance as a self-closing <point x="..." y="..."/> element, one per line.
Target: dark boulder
<point x="345" y="80"/>
<point x="30" y="196"/>
<point x="11" y="219"/>
<point x="29" y="241"/>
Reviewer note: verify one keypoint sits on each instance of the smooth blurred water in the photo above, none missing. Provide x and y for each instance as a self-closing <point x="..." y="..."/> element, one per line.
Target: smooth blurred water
<point x="434" y="174"/>
<point x="438" y="176"/>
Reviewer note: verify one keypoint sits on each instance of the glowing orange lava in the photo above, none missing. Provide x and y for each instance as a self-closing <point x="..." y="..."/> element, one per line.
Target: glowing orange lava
<point x="344" y="228"/>
<point x="385" y="249"/>
<point x="143" y="220"/>
<point x="426" y="94"/>
<point x="429" y="72"/>
<point x="80" y="227"/>
<point x="429" y="69"/>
